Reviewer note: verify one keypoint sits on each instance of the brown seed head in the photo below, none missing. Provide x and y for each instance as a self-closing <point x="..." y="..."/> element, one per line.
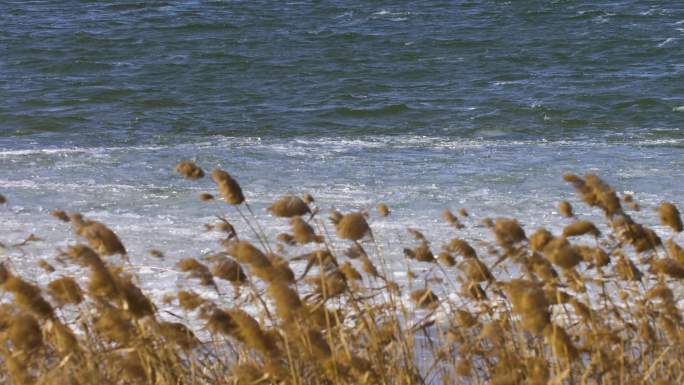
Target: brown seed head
<point x="316" y="345"/>
<point x="83" y="255"/>
<point x="561" y="253"/>
<point x="530" y="302"/>
<point x="302" y="232"/>
<point x="134" y="300"/>
<point x="475" y="270"/>
<point x="537" y="369"/>
<point x="661" y="291"/>
<point x="674" y="250"/>
<point x="605" y="196"/>
<point x="246" y="373"/>
<point x="225" y="226"/>
<point x="542" y="268"/>
<point x="452" y="219"/>
<point x="561" y="344"/>
<point x="574" y="280"/>
<point x="383" y="210"/>
<point x="17" y="369"/>
<point x="585" y="192"/>
<point x="155" y="253"/>
<point x="245" y="252"/>
<point x="425" y="298"/>
<point x="196" y="270"/>
<point x="641" y="237"/>
<point x="286" y="300"/>
<point x="668" y="266"/>
<point x="593" y="255"/>
<point x="464" y="368"/>
<point x="488" y="223"/>
<point x="114" y="325"/>
<point x="422" y="253"/>
<point x="189" y="300"/>
<point x="286" y="238"/>
<point x="508" y="231"/>
<point x="289" y="206"/>
<point x="647" y="333"/>
<point x="61" y="337"/>
<point x="278" y="270"/>
<point x="229" y="187"/>
<point x="61" y="215"/>
<point x="540" y="238"/>
<point x="220" y="322"/>
<point x="78" y="221"/>
<point x="565" y="209"/>
<point x="417" y="235"/>
<point x="45" y="265"/>
<point x="449" y="216"/>
<point x="627" y="270"/>
<point x="24" y="332"/>
<point x="247" y="330"/>
<point x="102" y="239"/>
<point x="130" y="367"/>
<point x="474" y="290"/>
<point x="329" y="285"/>
<point x="579" y="228"/>
<point x="493" y="332"/>
<point x="461" y="247"/>
<point x="352" y="226"/>
<point x="669" y="216"/>
<point x="465" y="319"/>
<point x="204" y="197"/>
<point x="65" y="290"/>
<point x="189" y="170"/>
<point x="102" y="282"/>
<point x="307" y="198"/>
<point x="350" y="273"/>
<point x="335" y="217"/>
<point x="369" y="268"/>
<point x="179" y="334"/>
<point x="4" y="273"/>
<point x="446" y="259"/>
<point x="355" y="251"/>
<point x="29" y="297"/>
<point x="601" y="258"/>
<point x="228" y="270"/>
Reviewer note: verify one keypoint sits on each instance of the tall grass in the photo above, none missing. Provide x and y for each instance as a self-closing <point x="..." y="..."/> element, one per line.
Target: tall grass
<point x="528" y="307"/>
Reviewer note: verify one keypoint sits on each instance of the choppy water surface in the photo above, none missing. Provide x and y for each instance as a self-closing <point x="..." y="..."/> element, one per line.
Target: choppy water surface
<point x="422" y="105"/>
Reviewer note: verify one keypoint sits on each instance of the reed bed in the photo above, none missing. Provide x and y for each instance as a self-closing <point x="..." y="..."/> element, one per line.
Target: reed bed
<point x="594" y="304"/>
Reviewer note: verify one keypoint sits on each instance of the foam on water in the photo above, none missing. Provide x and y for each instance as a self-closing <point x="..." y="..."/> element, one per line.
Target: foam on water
<point x="136" y="192"/>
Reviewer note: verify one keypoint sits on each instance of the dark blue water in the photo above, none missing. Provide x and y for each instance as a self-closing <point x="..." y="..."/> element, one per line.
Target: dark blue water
<point x="422" y="105"/>
<point x="131" y="71"/>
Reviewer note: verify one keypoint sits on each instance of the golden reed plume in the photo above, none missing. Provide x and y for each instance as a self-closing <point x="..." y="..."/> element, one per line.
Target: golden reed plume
<point x="591" y="301"/>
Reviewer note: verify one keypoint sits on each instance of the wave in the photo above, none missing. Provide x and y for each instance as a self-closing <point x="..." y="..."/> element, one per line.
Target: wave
<point x="198" y="145"/>
<point x="666" y="42"/>
<point x="464" y="43"/>
<point x="370" y="112"/>
<point x="75" y="150"/>
<point x="199" y="27"/>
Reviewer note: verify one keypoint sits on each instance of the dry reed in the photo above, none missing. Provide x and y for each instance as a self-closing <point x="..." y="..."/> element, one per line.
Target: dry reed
<point x="585" y="306"/>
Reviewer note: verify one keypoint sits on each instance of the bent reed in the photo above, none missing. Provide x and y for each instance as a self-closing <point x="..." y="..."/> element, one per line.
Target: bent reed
<point x="595" y="304"/>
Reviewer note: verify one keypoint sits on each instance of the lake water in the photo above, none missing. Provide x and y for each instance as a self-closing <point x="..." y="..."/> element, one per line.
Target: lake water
<point x="421" y="105"/>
